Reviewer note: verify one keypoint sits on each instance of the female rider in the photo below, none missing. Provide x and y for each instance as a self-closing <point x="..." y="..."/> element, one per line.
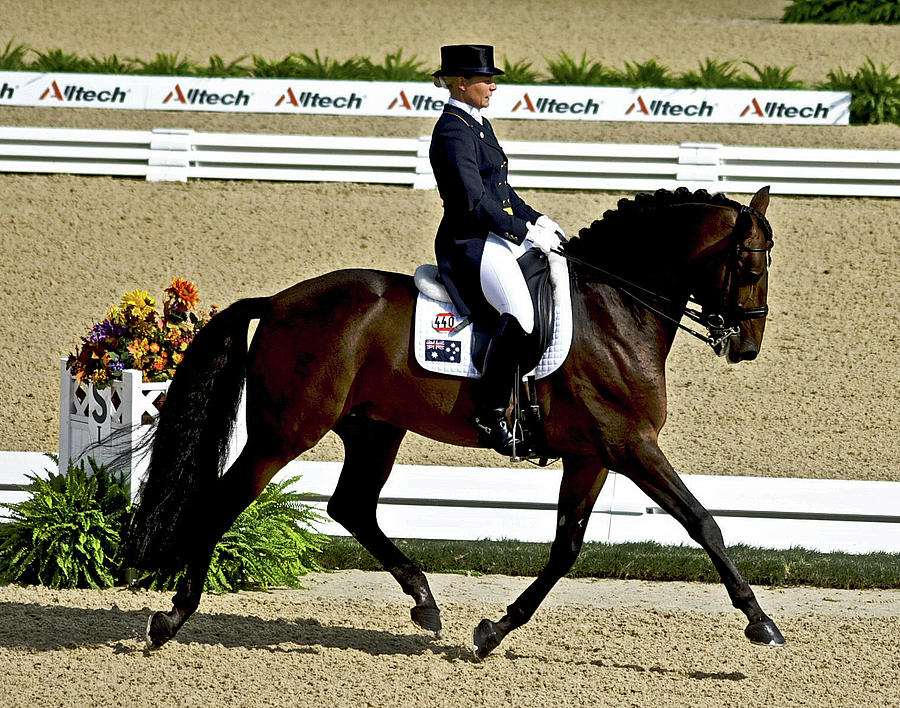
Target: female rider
<point x="485" y="228"/>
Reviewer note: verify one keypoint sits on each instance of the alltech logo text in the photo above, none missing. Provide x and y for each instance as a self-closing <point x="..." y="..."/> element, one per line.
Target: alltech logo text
<point x="776" y="109"/>
<point x="202" y="97"/>
<point x="666" y="108"/>
<point x="544" y="104"/>
<point x="79" y="94"/>
<point x="313" y="99"/>
<point x="418" y="102"/>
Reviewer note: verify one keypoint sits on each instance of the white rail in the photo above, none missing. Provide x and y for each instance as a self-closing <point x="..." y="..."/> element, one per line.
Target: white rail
<point x="473" y="503"/>
<point x="165" y="154"/>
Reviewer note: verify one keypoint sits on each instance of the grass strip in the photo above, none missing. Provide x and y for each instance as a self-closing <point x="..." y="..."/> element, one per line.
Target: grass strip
<point x="636" y="561"/>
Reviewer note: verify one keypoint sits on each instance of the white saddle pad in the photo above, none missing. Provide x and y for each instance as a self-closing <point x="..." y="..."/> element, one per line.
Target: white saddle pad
<point x="443" y="352"/>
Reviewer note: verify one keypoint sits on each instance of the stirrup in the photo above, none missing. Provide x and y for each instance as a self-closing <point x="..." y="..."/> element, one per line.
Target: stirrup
<point x="494" y="432"/>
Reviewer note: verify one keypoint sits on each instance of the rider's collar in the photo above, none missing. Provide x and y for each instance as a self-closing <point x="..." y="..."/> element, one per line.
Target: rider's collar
<point x="471" y="110"/>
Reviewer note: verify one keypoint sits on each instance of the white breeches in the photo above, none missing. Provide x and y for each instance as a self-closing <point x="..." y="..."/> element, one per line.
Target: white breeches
<point x="502" y="281"/>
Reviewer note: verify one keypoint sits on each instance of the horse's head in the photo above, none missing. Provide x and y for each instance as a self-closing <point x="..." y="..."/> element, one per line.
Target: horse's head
<point x="733" y="288"/>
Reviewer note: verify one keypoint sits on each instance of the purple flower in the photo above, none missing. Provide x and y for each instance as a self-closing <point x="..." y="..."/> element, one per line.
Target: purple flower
<point x="116" y="365"/>
<point x="102" y="331"/>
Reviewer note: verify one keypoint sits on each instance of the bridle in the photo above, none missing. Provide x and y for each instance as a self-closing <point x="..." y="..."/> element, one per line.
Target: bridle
<point x="721" y="321"/>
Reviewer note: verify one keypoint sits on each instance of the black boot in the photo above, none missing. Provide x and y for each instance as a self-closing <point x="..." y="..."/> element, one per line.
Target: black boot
<point x="493" y="389"/>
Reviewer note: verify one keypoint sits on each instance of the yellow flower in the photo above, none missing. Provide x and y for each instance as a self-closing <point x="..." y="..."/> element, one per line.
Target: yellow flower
<point x="138" y="303"/>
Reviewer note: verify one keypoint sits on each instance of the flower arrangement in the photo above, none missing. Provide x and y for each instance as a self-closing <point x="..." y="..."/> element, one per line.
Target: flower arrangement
<point x="134" y="335"/>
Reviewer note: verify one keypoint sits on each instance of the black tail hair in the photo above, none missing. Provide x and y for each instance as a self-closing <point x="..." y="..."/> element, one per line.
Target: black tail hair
<point x="190" y="440"/>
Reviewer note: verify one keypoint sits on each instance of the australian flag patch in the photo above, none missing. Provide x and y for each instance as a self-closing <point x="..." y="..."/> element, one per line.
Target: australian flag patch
<point x="442" y="350"/>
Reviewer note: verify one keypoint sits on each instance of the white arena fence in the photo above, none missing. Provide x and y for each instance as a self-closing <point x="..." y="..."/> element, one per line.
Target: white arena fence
<point x="471" y="503"/>
<point x="179" y="155"/>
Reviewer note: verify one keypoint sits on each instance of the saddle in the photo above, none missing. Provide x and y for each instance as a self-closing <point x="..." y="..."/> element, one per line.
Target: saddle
<point x="446" y="344"/>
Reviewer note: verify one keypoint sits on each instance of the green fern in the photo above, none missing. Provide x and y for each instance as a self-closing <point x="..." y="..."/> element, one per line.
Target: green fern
<point x="12" y="58"/>
<point x="394" y="68"/>
<point x="875" y="91"/>
<point x="110" y="65"/>
<point x="566" y="70"/>
<point x="67" y="534"/>
<point x="773" y="77"/>
<point x="645" y="74"/>
<point x="519" y="72"/>
<point x="714" y="74"/>
<point x="270" y="543"/>
<point x="166" y="65"/>
<point x="58" y="60"/>
<point x="218" y="67"/>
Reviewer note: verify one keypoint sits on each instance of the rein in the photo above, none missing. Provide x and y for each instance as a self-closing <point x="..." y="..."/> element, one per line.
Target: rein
<point x="719" y="325"/>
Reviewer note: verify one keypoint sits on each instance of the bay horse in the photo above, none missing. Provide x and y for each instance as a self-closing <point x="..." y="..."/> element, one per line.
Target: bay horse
<point x="333" y="353"/>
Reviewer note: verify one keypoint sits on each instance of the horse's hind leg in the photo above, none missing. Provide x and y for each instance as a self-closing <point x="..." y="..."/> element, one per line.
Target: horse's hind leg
<point x="582" y="481"/>
<point x="235" y="490"/>
<point x="370" y="449"/>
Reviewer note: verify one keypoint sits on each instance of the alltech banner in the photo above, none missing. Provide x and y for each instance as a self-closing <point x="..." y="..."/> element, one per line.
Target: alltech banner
<point x="376" y="98"/>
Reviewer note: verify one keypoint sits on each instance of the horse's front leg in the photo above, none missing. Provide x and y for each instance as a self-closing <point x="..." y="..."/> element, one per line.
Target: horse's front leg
<point x="648" y="468"/>
<point x="582" y="481"/>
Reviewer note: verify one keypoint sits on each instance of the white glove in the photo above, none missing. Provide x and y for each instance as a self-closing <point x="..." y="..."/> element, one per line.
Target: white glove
<point x="542" y="237"/>
<point x="549" y="223"/>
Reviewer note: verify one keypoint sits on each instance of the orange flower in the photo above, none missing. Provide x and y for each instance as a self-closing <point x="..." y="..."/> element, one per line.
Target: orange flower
<point x="154" y="347"/>
<point x="185" y="292"/>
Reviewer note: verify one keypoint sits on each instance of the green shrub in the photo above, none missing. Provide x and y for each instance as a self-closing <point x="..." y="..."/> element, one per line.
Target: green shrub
<point x="519" y="72"/>
<point x="318" y="68"/>
<point x="12" y="58"/>
<point x="648" y="73"/>
<point x="270" y="543"/>
<point x="58" y="60"/>
<point x="395" y="68"/>
<point x="773" y="77"/>
<point x="218" y="67"/>
<point x="713" y="75"/>
<point x="566" y="70"/>
<point x="66" y="535"/>
<point x="110" y="65"/>
<point x="165" y="65"/>
<point x="875" y="91"/>
<point x="843" y="11"/>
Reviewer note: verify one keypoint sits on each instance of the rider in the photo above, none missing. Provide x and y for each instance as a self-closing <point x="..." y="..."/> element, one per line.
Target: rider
<point x="486" y="227"/>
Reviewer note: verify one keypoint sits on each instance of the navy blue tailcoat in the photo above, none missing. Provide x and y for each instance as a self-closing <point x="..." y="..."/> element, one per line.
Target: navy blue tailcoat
<point x="471" y="172"/>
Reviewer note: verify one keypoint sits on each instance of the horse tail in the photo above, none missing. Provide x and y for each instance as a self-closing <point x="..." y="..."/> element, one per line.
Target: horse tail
<point x="190" y="440"/>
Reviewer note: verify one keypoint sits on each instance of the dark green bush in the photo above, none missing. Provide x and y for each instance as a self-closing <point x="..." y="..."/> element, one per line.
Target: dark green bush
<point x="843" y="11"/>
<point x="566" y="70"/>
<point x="519" y="72"/>
<point x="67" y="534"/>
<point x="875" y="90"/>
<point x="270" y="543"/>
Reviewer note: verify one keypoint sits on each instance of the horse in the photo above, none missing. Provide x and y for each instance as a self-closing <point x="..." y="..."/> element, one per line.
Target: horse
<point x="333" y="353"/>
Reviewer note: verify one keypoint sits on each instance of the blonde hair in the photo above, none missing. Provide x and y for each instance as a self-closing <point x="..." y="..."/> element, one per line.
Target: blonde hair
<point x="443" y="81"/>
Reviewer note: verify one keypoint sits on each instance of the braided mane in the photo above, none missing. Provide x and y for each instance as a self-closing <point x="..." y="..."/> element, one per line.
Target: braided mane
<point x="629" y="214"/>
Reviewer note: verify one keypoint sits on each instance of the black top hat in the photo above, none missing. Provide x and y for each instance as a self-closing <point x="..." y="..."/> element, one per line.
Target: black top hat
<point x="467" y="60"/>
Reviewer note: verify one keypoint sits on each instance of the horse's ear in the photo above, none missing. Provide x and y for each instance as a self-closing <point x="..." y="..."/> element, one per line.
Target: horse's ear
<point x="760" y="200"/>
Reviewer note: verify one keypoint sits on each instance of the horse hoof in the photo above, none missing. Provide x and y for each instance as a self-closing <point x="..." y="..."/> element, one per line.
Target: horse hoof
<point x="428" y="618"/>
<point x="764" y="632"/>
<point x="485" y="639"/>
<point x="160" y="629"/>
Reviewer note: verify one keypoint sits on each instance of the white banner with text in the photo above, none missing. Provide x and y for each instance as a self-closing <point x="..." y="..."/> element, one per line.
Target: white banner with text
<point x="399" y="99"/>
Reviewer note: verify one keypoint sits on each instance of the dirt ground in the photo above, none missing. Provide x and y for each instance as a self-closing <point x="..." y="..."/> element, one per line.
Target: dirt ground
<point x="348" y="641"/>
<point x="821" y="401"/>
